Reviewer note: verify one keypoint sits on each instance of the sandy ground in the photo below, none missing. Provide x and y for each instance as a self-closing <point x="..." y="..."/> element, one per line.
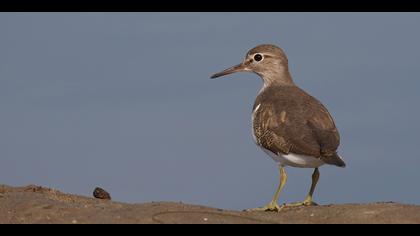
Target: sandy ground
<point x="35" y="204"/>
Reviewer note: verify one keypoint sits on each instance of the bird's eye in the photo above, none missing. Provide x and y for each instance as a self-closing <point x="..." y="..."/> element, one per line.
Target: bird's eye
<point x="258" y="57"/>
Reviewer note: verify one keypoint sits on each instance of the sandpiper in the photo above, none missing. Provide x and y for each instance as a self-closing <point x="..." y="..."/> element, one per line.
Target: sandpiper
<point x="290" y="125"/>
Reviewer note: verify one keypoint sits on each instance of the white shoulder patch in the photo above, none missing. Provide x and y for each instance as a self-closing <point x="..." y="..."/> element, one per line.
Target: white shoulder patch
<point x="257" y="107"/>
<point x="253" y="118"/>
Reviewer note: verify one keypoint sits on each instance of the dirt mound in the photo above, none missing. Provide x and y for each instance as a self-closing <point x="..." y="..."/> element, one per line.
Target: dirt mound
<point x="35" y="204"/>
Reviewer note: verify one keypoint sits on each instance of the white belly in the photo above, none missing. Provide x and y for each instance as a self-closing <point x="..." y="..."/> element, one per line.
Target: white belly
<point x="295" y="160"/>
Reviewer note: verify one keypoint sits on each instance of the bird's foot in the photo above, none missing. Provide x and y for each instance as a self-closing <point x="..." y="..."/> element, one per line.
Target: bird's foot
<point x="304" y="203"/>
<point x="272" y="206"/>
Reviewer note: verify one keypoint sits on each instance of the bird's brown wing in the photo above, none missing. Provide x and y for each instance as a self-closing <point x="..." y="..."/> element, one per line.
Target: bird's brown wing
<point x="324" y="130"/>
<point x="284" y="132"/>
<point x="268" y="132"/>
<point x="296" y="123"/>
<point x="326" y="134"/>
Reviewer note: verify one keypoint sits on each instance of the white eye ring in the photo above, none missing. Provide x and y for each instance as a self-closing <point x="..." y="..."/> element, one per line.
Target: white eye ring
<point x="258" y="57"/>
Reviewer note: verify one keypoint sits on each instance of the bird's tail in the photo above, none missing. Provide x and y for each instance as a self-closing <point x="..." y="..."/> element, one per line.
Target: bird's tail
<point x="334" y="159"/>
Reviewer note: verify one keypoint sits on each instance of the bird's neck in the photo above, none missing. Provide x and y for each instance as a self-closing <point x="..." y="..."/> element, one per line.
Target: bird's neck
<point x="281" y="77"/>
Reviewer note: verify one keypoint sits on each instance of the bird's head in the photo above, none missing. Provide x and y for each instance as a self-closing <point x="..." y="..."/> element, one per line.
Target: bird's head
<point x="267" y="60"/>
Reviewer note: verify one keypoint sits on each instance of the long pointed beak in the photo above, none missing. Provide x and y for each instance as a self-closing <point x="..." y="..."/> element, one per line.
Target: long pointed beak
<point x="233" y="69"/>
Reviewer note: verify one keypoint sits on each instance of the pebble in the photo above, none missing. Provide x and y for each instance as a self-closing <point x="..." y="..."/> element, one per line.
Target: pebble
<point x="101" y="194"/>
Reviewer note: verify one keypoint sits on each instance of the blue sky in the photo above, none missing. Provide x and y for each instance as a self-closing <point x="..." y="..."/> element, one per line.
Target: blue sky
<point x="124" y="101"/>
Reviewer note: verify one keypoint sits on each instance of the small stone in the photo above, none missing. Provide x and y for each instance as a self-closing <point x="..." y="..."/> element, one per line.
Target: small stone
<point x="205" y="219"/>
<point x="101" y="194"/>
<point x="74" y="221"/>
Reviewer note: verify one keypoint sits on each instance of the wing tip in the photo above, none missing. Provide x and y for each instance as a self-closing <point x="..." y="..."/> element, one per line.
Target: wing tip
<point x="336" y="160"/>
<point x="340" y="162"/>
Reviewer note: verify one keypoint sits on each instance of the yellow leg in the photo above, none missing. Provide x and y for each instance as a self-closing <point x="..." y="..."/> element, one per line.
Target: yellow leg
<point x="315" y="177"/>
<point x="273" y="205"/>
<point x="308" y="200"/>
